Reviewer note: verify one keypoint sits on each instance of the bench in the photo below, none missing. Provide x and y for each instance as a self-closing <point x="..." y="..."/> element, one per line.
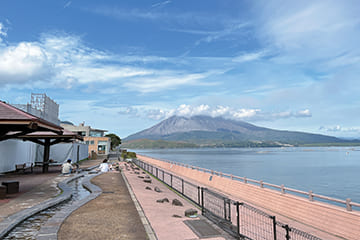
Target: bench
<point x="54" y="163"/>
<point x="23" y="167"/>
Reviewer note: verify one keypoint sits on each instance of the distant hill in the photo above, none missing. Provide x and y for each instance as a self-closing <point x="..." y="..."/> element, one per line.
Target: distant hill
<point x="214" y="132"/>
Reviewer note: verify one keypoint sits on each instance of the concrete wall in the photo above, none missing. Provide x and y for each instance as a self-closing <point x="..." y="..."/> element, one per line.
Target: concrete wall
<point x="16" y="152"/>
<point x="64" y="151"/>
<point x="328" y="218"/>
<point x="19" y="152"/>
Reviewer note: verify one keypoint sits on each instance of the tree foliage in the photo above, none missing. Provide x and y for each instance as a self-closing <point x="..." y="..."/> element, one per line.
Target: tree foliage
<point x="115" y="140"/>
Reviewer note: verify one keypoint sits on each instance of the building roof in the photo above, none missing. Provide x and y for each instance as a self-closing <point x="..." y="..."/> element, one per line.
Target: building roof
<point x="15" y="122"/>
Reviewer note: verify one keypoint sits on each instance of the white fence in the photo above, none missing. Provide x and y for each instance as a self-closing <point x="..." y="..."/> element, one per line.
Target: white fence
<point x="19" y="152"/>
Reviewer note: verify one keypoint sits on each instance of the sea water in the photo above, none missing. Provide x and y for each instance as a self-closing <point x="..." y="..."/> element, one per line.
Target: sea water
<point x="329" y="171"/>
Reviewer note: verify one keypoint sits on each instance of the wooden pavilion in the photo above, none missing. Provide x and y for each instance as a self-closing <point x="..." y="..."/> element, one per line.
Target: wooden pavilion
<point x="17" y="124"/>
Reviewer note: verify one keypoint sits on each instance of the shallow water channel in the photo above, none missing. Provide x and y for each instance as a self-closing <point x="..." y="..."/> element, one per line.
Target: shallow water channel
<point x="29" y="228"/>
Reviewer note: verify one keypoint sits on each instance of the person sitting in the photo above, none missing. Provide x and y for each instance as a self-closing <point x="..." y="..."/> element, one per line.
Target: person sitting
<point x="104" y="166"/>
<point x="66" y="168"/>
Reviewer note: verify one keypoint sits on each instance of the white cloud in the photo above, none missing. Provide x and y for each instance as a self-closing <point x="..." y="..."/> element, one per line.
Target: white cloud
<point x="340" y="131"/>
<point x="217" y="111"/>
<point x="64" y="61"/>
<point x="303" y="113"/>
<point x="22" y="62"/>
<point x="338" y="128"/>
<point x="247" y="57"/>
<point x="165" y="80"/>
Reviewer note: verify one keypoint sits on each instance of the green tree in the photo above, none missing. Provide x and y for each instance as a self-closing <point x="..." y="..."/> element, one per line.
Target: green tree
<point x="115" y="140"/>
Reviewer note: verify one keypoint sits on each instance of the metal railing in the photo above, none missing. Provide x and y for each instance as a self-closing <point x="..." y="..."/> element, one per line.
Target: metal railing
<point x="310" y="195"/>
<point x="239" y="219"/>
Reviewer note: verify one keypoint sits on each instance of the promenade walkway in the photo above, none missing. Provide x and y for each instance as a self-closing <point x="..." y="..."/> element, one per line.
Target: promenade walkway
<point x="117" y="213"/>
<point x="320" y="219"/>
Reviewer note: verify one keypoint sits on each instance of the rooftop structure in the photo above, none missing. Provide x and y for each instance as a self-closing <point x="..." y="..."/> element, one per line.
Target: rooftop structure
<point x="42" y="106"/>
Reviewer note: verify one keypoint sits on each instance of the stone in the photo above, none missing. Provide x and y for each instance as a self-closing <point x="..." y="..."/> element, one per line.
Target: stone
<point x="11" y="186"/>
<point x="176" y="202"/>
<point x="140" y="177"/>
<point x="176" y="216"/>
<point x="147" y="176"/>
<point x="143" y="172"/>
<point x="147" y="180"/>
<point x="137" y="172"/>
<point x="148" y="188"/>
<point x="162" y="200"/>
<point x="156" y="189"/>
<point x="190" y="212"/>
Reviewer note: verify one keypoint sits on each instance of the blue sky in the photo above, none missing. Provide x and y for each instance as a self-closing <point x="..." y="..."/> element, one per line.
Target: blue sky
<point x="126" y="65"/>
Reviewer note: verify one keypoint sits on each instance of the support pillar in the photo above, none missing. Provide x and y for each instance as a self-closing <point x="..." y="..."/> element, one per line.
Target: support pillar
<point x="46" y="156"/>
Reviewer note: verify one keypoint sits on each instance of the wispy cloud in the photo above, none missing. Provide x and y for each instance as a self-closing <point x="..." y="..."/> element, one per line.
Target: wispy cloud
<point x="128" y="14"/>
<point x="247" y="57"/>
<point x="331" y="26"/>
<point x="3" y="31"/>
<point x="166" y="80"/>
<point x="160" y="4"/>
<point x="233" y="28"/>
<point x="213" y="111"/>
<point x="67" y="4"/>
<point x="341" y="131"/>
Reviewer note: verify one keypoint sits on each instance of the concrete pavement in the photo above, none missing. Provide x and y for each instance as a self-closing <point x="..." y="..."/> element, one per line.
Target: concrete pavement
<point x="124" y="209"/>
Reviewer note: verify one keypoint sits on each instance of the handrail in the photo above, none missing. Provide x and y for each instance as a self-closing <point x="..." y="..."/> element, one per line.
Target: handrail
<point x="349" y="204"/>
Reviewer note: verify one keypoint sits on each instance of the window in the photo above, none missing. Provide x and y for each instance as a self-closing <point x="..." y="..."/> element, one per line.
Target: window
<point x="87" y="142"/>
<point x="92" y="142"/>
<point x="96" y="134"/>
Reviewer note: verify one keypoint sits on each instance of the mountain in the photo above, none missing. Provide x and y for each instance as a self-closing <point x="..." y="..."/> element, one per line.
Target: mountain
<point x="209" y="131"/>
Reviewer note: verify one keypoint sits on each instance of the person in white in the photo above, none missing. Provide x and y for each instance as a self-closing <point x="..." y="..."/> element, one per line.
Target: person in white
<point x="66" y="168"/>
<point x="104" y="167"/>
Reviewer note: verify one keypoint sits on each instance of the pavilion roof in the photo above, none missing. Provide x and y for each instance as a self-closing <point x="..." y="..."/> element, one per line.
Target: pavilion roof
<point x="15" y="122"/>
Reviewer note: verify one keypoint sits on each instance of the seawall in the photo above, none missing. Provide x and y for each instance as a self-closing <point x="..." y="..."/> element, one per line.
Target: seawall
<point x="325" y="217"/>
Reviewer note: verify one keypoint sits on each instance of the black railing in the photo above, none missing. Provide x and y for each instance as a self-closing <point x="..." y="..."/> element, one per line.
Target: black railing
<point x="239" y="219"/>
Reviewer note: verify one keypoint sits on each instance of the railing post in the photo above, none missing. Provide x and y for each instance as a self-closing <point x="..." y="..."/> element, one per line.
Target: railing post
<point x="232" y="177"/>
<point x="225" y="209"/>
<point x="238" y="219"/>
<point x="348" y="204"/>
<point x="311" y="195"/>
<point x="202" y="201"/>
<point x="157" y="172"/>
<point x="229" y="207"/>
<point x="199" y="195"/>
<point x="274" y="226"/>
<point x="282" y="188"/>
<point x="245" y="180"/>
<point x="163" y="174"/>
<point x="171" y="178"/>
<point x="182" y="186"/>
<point x="261" y="184"/>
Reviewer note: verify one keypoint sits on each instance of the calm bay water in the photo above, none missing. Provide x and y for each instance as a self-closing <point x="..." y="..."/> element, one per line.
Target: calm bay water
<point x="329" y="171"/>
